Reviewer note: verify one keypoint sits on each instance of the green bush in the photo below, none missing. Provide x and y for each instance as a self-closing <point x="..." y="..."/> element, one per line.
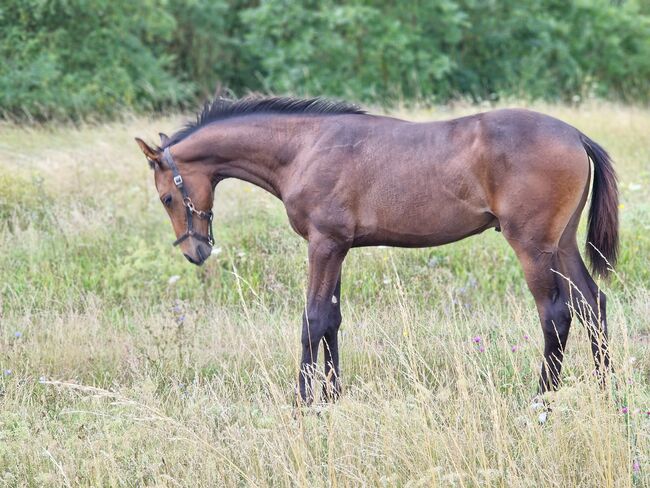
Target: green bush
<point x="208" y="45"/>
<point x="554" y="49"/>
<point x="353" y="49"/>
<point x="95" y="58"/>
<point x="443" y="49"/>
<point x="76" y="58"/>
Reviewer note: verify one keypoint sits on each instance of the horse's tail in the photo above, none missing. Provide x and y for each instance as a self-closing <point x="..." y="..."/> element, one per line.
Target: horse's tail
<point x="602" y="233"/>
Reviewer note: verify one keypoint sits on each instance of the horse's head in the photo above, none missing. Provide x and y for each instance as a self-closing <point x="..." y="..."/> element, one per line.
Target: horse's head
<point x="187" y="193"/>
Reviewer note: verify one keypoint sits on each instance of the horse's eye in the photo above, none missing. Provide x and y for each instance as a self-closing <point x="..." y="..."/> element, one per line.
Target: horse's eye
<point x="167" y="200"/>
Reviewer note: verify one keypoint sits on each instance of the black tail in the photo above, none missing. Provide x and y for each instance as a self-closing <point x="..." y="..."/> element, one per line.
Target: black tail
<point x="602" y="234"/>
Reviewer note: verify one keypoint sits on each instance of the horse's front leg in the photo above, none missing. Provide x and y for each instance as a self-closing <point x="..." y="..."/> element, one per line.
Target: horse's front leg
<point x="321" y="317"/>
<point x="332" y="386"/>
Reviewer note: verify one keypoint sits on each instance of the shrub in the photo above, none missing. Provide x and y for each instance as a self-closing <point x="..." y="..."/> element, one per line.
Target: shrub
<point x="95" y="58"/>
<point x="75" y="58"/>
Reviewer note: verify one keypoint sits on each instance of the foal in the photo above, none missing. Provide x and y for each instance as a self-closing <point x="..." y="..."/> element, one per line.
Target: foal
<point x="350" y="179"/>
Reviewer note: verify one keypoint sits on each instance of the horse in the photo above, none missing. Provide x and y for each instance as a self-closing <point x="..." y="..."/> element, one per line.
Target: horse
<point x="348" y="179"/>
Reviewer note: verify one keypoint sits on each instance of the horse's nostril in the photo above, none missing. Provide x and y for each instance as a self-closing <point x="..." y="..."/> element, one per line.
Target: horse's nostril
<point x="189" y="258"/>
<point x="203" y="251"/>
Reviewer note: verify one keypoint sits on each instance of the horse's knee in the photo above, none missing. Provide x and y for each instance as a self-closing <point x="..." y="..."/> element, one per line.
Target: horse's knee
<point x="320" y="320"/>
<point x="314" y="328"/>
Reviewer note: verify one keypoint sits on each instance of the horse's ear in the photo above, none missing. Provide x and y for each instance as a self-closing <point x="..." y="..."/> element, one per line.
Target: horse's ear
<point x="152" y="155"/>
<point x="164" y="140"/>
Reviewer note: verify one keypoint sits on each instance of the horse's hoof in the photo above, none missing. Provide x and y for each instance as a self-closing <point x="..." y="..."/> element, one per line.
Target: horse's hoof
<point x="537" y="405"/>
<point x="540" y="405"/>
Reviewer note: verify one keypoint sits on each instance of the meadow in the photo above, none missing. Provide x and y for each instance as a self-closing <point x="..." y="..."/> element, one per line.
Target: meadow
<point x="123" y="365"/>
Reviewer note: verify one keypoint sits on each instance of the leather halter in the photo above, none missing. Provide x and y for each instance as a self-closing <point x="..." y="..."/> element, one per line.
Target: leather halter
<point x="190" y="209"/>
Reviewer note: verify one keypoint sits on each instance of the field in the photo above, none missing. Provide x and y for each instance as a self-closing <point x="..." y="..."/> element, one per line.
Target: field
<point x="123" y="365"/>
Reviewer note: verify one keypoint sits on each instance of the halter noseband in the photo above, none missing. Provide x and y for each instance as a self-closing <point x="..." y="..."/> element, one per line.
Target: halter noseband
<point x="190" y="209"/>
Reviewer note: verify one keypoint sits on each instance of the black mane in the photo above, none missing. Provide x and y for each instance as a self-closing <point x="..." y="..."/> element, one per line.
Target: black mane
<point x="223" y="108"/>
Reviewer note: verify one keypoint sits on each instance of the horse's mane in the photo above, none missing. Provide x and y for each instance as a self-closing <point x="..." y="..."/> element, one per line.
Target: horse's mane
<point x="223" y="108"/>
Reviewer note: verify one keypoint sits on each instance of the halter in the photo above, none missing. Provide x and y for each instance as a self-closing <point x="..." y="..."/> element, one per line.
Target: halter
<point x="190" y="209"/>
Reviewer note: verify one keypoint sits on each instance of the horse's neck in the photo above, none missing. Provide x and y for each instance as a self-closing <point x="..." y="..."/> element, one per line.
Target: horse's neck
<point x="259" y="151"/>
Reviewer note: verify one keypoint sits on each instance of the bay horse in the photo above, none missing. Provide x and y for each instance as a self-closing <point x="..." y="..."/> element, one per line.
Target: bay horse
<point x="350" y="179"/>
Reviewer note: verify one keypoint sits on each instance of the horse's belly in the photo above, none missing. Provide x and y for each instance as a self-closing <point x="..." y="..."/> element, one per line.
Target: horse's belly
<point x="424" y="229"/>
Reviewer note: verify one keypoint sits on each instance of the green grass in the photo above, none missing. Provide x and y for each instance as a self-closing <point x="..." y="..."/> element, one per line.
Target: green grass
<point x="113" y="376"/>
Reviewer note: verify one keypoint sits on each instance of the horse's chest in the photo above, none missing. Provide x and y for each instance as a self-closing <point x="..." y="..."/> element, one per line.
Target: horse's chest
<point x="298" y="222"/>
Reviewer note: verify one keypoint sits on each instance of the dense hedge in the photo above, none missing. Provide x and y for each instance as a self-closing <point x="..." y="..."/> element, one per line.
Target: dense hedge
<point x="94" y="58"/>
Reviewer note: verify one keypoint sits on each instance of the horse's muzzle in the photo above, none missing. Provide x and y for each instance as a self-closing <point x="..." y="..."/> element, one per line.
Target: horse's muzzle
<point x="202" y="252"/>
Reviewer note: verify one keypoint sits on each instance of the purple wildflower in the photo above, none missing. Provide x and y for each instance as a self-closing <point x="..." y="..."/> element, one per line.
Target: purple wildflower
<point x="477" y="340"/>
<point x="18" y="334"/>
<point x="526" y="338"/>
<point x="514" y="348"/>
<point x="625" y="410"/>
<point x="481" y="349"/>
<point x="7" y="372"/>
<point x="636" y="466"/>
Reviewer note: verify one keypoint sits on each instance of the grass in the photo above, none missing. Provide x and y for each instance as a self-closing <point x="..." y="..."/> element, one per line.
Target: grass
<point x="115" y="375"/>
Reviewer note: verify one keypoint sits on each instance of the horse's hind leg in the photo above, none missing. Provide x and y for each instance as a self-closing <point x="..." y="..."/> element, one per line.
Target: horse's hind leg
<point x="586" y="299"/>
<point x="589" y="305"/>
<point x="551" y="296"/>
<point x="560" y="283"/>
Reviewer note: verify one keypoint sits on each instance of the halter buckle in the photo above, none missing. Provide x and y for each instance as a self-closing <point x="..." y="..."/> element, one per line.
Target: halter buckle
<point x="178" y="180"/>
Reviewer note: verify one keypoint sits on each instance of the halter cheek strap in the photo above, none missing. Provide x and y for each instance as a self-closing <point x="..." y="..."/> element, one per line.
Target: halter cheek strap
<point x="190" y="209"/>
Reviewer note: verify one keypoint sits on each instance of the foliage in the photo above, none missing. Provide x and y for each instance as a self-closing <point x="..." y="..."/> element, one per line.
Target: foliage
<point x="208" y="45"/>
<point x="74" y="58"/>
<point x="355" y="49"/>
<point x="77" y="58"/>
<point x="554" y="49"/>
<point x="442" y="49"/>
